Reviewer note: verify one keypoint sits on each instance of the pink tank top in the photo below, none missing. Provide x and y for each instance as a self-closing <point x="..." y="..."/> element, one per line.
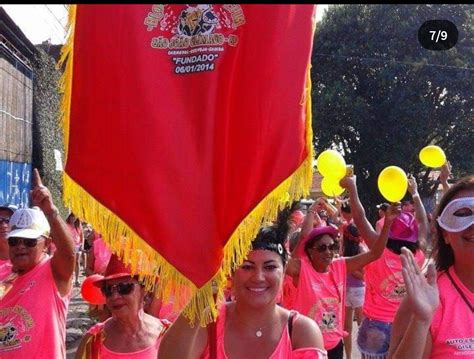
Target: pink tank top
<point x="282" y="351"/>
<point x="321" y="296"/>
<point x="148" y="353"/>
<point x="5" y="268"/>
<point x="452" y="328"/>
<point x="385" y="287"/>
<point x="33" y="316"/>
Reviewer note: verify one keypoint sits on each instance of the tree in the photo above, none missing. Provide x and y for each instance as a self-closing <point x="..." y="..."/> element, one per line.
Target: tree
<point x="380" y="97"/>
<point x="46" y="124"/>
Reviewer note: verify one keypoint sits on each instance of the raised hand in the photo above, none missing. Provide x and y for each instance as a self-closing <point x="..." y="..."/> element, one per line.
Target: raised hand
<point x="445" y="172"/>
<point x="412" y="185"/>
<point x="348" y="182"/>
<point x="40" y="195"/>
<point x="393" y="211"/>
<point x="422" y="293"/>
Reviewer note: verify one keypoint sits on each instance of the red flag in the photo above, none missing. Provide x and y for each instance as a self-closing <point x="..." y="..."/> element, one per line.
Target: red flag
<point x="186" y="127"/>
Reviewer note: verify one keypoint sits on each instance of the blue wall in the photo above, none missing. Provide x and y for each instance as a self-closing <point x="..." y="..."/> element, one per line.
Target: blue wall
<point x="15" y="183"/>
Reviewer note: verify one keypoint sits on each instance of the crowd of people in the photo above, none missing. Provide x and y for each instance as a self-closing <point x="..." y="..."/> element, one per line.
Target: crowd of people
<point x="405" y="279"/>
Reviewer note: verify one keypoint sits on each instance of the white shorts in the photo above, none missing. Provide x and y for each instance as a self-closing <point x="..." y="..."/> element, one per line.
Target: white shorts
<point x="355" y="297"/>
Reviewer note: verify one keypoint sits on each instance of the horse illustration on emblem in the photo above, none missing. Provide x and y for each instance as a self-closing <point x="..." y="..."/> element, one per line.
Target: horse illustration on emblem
<point x="197" y="19"/>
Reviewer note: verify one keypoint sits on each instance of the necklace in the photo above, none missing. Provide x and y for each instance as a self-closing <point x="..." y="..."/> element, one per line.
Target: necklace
<point x="259" y="331"/>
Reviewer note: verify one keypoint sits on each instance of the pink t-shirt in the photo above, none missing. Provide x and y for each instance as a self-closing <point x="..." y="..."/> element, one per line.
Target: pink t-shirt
<point x="321" y="296"/>
<point x="288" y="292"/>
<point x="76" y="234"/>
<point x="102" y="255"/>
<point x="282" y="350"/>
<point x="5" y="268"/>
<point x="385" y="287"/>
<point x="148" y="353"/>
<point x="33" y="316"/>
<point x="452" y="328"/>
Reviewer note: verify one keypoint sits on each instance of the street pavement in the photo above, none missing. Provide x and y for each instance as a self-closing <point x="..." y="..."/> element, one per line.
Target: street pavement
<point x="77" y="322"/>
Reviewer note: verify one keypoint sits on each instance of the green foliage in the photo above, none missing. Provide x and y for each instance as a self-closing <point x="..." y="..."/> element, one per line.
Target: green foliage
<point x="47" y="134"/>
<point x="381" y="97"/>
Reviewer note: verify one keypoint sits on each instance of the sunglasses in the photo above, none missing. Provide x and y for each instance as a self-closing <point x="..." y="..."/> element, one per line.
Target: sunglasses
<point x="4" y="220"/>
<point x="27" y="242"/>
<point x="323" y="247"/>
<point x="122" y="289"/>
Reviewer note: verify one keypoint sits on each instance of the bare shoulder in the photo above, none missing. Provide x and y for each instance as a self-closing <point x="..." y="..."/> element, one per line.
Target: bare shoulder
<point x="155" y="325"/>
<point x="306" y="333"/>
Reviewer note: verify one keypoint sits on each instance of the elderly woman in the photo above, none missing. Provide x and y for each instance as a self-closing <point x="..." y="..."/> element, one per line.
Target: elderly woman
<point x="252" y="326"/>
<point x="34" y="297"/>
<point x="130" y="332"/>
<point x="436" y="320"/>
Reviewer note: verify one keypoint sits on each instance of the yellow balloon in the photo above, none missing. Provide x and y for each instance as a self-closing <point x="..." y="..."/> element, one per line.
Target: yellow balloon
<point x="331" y="164"/>
<point x="331" y="187"/>
<point x="432" y="156"/>
<point x="393" y="183"/>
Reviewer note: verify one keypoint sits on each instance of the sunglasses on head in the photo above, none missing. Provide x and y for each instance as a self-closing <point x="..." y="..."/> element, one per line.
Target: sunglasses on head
<point x="122" y="289"/>
<point x="4" y="220"/>
<point x="323" y="247"/>
<point x="27" y="242"/>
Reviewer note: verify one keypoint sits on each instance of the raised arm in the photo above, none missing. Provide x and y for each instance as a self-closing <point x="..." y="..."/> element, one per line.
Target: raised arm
<point x="421" y="303"/>
<point x="359" y="261"/>
<point x="183" y="341"/>
<point x="330" y="209"/>
<point x="358" y="213"/>
<point x="306" y="228"/>
<point x="420" y="213"/>
<point x="444" y="175"/>
<point x="62" y="263"/>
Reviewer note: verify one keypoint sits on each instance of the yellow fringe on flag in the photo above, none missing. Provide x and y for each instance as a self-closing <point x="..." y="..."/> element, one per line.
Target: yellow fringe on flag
<point x="156" y="273"/>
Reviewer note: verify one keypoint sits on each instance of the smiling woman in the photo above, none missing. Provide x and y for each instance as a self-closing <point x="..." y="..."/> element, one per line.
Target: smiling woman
<point x="252" y="326"/>
<point x="440" y="311"/>
<point x="320" y="278"/>
<point x="113" y="338"/>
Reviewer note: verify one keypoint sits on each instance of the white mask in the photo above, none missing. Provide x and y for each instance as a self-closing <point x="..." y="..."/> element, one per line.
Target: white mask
<point x="458" y="215"/>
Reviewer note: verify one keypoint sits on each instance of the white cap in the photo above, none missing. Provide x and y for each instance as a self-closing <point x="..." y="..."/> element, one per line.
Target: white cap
<point x="29" y="223"/>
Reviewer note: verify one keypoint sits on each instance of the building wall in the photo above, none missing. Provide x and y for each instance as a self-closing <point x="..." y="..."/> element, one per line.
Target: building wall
<point x="16" y="125"/>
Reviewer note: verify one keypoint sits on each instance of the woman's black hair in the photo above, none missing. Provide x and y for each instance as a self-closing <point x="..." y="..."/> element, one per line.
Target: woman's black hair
<point x="351" y="243"/>
<point x="396" y="245"/>
<point x="273" y="237"/>
<point x="444" y="255"/>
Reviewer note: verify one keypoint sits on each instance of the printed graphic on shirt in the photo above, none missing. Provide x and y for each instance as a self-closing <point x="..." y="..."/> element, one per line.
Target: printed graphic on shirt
<point x="325" y="313"/>
<point x="393" y="287"/>
<point x="329" y="320"/>
<point x="463" y="346"/>
<point x="15" y="326"/>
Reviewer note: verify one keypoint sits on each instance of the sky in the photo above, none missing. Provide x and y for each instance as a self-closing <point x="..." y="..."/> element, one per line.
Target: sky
<point x="48" y="22"/>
